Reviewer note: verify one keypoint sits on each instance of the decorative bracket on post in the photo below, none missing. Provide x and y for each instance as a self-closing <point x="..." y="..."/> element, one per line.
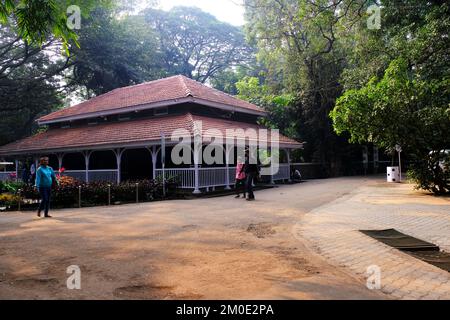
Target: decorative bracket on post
<point x="60" y="157"/>
<point x="154" y="150"/>
<point x="119" y="152"/>
<point x="87" y="156"/>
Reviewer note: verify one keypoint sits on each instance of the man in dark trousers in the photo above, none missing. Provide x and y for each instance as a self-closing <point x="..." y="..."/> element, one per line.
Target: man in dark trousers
<point x="251" y="169"/>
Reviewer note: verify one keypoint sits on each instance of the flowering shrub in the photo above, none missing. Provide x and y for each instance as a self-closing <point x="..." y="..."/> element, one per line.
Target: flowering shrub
<point x="96" y="193"/>
<point x="10" y="186"/>
<point x="65" y="181"/>
<point x="8" y="200"/>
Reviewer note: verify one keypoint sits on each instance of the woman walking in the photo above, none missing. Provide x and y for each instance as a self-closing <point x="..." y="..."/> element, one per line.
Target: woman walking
<point x="240" y="178"/>
<point x="251" y="169"/>
<point x="45" y="180"/>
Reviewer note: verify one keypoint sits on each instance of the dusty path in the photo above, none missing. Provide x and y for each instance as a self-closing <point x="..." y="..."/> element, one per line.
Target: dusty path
<point x="217" y="248"/>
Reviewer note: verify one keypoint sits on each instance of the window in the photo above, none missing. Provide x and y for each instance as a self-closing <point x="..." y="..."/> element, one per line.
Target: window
<point x="65" y="125"/>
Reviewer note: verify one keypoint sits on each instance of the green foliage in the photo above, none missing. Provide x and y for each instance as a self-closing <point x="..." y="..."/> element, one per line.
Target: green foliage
<point x="10" y="186"/>
<point x="7" y="200"/>
<point x="36" y="19"/>
<point x="432" y="173"/>
<point x="195" y="44"/>
<point x="66" y="195"/>
<point x="29" y="84"/>
<point x="303" y="55"/>
<point x="114" y="53"/>
<point x="408" y="103"/>
<point x="278" y="106"/>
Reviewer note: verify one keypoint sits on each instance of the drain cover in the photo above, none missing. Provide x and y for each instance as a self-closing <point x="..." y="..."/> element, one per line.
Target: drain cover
<point x="425" y="251"/>
<point x="400" y="241"/>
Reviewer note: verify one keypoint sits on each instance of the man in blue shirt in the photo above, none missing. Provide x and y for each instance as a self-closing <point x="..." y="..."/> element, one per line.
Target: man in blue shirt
<point x="44" y="181"/>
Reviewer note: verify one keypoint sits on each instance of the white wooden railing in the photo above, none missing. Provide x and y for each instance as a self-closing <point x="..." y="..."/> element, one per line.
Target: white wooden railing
<point x="6" y="175"/>
<point x="212" y="177"/>
<point x="93" y="175"/>
<point x="284" y="172"/>
<point x="185" y="176"/>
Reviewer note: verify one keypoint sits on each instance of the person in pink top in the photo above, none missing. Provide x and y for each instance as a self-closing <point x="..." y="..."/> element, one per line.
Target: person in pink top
<point x="240" y="178"/>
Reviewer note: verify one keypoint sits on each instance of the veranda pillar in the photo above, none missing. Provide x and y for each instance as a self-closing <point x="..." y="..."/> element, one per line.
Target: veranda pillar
<point x="196" y="172"/>
<point x="227" y="166"/>
<point x="87" y="156"/>
<point x="288" y="156"/>
<point x="118" y="153"/>
<point x="272" y="181"/>
<point x="60" y="160"/>
<point x="17" y="169"/>
<point x="154" y="152"/>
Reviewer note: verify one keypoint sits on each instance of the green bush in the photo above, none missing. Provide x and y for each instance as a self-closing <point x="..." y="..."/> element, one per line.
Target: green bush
<point x="7" y="200"/>
<point x="10" y="186"/>
<point x="433" y="174"/>
<point x="66" y="195"/>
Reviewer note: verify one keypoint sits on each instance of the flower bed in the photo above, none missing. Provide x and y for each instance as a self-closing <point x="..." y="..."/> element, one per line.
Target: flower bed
<point x="67" y="194"/>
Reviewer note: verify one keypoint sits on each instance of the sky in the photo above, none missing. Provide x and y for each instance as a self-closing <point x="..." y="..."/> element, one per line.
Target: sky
<point x="230" y="11"/>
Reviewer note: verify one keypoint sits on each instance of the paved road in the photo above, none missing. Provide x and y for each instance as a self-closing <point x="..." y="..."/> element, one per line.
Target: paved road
<point x="217" y="248"/>
<point x="333" y="231"/>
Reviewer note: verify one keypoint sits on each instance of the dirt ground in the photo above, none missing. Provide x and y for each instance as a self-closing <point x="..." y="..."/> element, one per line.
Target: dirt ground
<point x="215" y="248"/>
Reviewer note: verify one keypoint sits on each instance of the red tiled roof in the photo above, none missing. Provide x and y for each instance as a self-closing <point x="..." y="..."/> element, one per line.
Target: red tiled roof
<point x="163" y="90"/>
<point x="122" y="133"/>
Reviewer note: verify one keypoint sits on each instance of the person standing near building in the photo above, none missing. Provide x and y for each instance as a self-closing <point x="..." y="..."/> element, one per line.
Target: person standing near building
<point x="240" y="178"/>
<point x="25" y="174"/>
<point x="251" y="170"/>
<point x="33" y="173"/>
<point x="45" y="179"/>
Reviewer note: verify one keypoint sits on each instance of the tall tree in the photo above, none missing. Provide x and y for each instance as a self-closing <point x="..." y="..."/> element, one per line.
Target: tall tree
<point x="195" y="44"/>
<point x="398" y="88"/>
<point x="114" y="53"/>
<point x="29" y="83"/>
<point x="299" y="45"/>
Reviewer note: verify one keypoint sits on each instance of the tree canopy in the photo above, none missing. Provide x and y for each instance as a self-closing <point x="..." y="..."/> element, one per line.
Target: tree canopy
<point x="404" y="100"/>
<point x="195" y="44"/>
<point x="36" y="19"/>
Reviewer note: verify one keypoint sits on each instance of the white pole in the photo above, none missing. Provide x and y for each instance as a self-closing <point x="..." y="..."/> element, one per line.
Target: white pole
<point x="288" y="154"/>
<point x="87" y="155"/>
<point x="154" y="160"/>
<point x="227" y="171"/>
<point x="118" y="154"/>
<point x="163" y="161"/>
<point x="400" y="165"/>
<point x="272" y="181"/>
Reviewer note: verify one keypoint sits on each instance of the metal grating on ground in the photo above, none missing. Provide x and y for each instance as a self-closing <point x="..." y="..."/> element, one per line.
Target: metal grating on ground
<point x="419" y="249"/>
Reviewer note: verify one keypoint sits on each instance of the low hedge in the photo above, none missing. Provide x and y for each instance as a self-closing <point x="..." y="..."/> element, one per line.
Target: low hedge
<point x="66" y="195"/>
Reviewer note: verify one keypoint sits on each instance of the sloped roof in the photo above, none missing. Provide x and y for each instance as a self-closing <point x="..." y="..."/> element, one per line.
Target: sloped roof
<point x="167" y="91"/>
<point x="129" y="133"/>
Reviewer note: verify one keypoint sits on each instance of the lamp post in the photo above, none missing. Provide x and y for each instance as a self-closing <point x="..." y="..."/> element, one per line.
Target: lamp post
<point x="398" y="148"/>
